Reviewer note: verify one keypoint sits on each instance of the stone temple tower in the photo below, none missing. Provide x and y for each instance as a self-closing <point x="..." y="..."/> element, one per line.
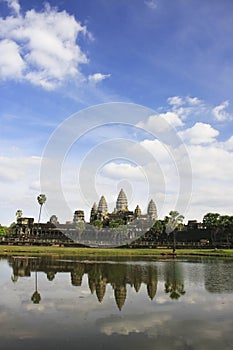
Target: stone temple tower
<point x="137" y="211"/>
<point x="102" y="208"/>
<point x="94" y="212"/>
<point x="122" y="202"/>
<point x="152" y="210"/>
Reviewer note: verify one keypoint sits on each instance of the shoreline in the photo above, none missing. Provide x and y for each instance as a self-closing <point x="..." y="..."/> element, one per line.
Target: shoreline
<point x="6" y="250"/>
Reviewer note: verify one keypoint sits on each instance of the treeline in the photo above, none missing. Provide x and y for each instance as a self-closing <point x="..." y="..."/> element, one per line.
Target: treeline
<point x="215" y="229"/>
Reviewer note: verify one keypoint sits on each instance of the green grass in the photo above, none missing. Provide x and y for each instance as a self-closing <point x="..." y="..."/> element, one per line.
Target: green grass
<point x="114" y="252"/>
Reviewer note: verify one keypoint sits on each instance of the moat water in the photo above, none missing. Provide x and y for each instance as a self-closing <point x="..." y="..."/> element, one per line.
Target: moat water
<point x="65" y="303"/>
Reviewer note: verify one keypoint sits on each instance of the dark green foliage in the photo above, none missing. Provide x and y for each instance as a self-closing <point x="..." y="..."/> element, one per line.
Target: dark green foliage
<point x="98" y="223"/>
<point x="4" y="230"/>
<point x="220" y="227"/>
<point x="116" y="223"/>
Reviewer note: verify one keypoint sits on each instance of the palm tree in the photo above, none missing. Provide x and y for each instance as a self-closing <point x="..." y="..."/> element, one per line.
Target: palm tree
<point x="41" y="200"/>
<point x="173" y="221"/>
<point x="36" y="298"/>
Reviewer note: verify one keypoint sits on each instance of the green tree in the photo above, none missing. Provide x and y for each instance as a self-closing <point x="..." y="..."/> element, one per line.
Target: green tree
<point x="157" y="228"/>
<point x="12" y="228"/>
<point x="173" y="222"/>
<point x="4" y="230"/>
<point x="155" y="231"/>
<point x="41" y="200"/>
<point x="36" y="298"/>
<point x="116" y="223"/>
<point x="226" y="226"/>
<point x="212" y="222"/>
<point x="97" y="223"/>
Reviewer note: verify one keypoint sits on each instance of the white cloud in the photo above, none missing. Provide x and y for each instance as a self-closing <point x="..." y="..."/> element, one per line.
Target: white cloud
<point x="211" y="162"/>
<point x="172" y="118"/>
<point x="16" y="175"/>
<point x="97" y="77"/>
<point x="175" y="101"/>
<point x="200" y="133"/>
<point x="11" y="62"/>
<point x="14" y="4"/>
<point x="159" y="122"/>
<point x="137" y="324"/>
<point x="16" y="169"/>
<point x="158" y="149"/>
<point x="152" y="4"/>
<point x="220" y="113"/>
<point x="123" y="171"/>
<point x="42" y="47"/>
<point x="212" y="168"/>
<point x="228" y="144"/>
<point x="193" y="100"/>
<point x="187" y="106"/>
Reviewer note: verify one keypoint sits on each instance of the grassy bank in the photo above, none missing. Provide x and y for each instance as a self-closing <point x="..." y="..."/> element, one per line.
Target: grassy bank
<point x="115" y="252"/>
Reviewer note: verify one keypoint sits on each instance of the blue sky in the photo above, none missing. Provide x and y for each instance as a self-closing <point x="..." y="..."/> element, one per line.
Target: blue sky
<point x="60" y="57"/>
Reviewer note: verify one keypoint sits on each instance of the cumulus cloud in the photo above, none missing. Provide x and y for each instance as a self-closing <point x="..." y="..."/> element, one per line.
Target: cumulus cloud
<point x="42" y="47"/>
<point x="123" y="170"/>
<point x="200" y="133"/>
<point x="16" y="175"/>
<point x="11" y="62"/>
<point x="220" y="113"/>
<point x="172" y="118"/>
<point x="211" y="160"/>
<point x="229" y="144"/>
<point x="97" y="77"/>
<point x="159" y="122"/>
<point x="16" y="169"/>
<point x="212" y="180"/>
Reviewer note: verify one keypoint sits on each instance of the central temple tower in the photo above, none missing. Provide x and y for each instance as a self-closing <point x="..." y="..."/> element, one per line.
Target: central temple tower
<point x="122" y="202"/>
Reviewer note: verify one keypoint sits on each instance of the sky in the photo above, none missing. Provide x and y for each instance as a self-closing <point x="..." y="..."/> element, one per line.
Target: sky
<point x="96" y="95"/>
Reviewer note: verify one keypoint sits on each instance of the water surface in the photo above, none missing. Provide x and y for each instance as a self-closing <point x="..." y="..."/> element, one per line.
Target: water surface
<point x="160" y="304"/>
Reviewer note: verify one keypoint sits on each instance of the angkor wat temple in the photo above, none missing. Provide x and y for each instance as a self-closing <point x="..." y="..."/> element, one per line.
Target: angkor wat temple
<point x="103" y="229"/>
<point x="121" y="211"/>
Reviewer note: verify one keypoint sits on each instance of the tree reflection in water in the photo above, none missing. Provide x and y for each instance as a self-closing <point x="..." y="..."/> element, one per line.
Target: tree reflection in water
<point x="174" y="282"/>
<point x="36" y="298"/>
<point x="100" y="274"/>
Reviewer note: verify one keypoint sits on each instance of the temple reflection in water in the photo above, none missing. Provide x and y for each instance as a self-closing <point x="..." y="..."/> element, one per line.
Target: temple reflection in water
<point x="119" y="275"/>
<point x="99" y="275"/>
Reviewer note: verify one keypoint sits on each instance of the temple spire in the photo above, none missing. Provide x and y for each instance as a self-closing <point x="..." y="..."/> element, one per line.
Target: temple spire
<point x="152" y="210"/>
<point x="102" y="208"/>
<point x="122" y="202"/>
<point x="94" y="212"/>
